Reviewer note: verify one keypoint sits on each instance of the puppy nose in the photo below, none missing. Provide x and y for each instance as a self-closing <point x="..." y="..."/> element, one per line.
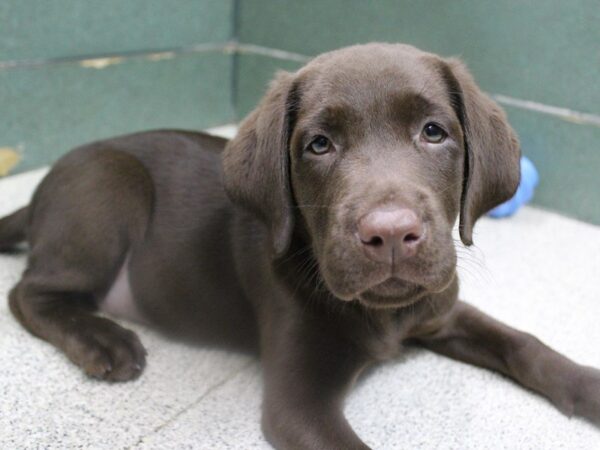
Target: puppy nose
<point x="388" y="234"/>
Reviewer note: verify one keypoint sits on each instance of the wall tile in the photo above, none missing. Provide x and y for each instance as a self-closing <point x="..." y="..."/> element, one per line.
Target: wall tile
<point x="568" y="159"/>
<point x="49" y="110"/>
<point x="32" y="29"/>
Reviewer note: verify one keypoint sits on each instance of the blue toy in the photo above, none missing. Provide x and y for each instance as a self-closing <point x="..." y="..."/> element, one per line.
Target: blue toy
<point x="529" y="180"/>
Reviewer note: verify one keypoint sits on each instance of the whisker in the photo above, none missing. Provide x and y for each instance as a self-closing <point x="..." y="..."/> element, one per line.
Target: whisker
<point x="312" y="206"/>
<point x="295" y="254"/>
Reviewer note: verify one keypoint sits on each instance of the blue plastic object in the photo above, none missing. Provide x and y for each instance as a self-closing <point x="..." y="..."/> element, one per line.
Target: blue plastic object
<point x="529" y="180"/>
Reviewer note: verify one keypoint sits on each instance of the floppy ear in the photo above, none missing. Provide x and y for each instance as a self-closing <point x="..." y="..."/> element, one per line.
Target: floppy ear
<point x="492" y="161"/>
<point x="256" y="161"/>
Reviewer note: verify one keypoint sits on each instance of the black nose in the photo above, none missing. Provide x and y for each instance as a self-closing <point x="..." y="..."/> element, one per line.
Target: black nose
<point x="389" y="234"/>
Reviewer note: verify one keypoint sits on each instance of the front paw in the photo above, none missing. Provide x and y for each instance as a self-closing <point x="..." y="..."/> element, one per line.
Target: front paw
<point x="105" y="350"/>
<point x="301" y="430"/>
<point x="586" y="398"/>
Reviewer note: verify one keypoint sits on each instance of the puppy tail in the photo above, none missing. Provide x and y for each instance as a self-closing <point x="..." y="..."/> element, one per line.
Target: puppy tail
<point x="12" y="228"/>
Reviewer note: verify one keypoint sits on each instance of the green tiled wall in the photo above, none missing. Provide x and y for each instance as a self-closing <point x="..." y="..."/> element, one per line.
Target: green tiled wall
<point x="56" y="107"/>
<point x="59" y="101"/>
<point x="542" y="51"/>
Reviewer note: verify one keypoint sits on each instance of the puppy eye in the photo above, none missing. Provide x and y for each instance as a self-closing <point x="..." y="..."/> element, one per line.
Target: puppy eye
<point x="433" y="133"/>
<point x="320" y="145"/>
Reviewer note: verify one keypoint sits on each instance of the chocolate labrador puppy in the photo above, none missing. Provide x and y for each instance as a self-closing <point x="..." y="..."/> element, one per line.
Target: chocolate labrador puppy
<point x="321" y="234"/>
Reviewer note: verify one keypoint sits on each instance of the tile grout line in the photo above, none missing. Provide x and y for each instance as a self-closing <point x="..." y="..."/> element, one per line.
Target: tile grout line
<point x="192" y="405"/>
<point x="275" y="53"/>
<point x="88" y="61"/>
<point x="236" y="48"/>
<point x="563" y="113"/>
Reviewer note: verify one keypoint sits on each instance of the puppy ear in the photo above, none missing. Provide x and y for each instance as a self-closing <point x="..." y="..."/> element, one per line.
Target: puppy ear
<point x="256" y="161"/>
<point x="491" y="169"/>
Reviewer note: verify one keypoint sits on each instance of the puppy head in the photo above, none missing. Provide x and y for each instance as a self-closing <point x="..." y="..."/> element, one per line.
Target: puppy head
<point x="372" y="152"/>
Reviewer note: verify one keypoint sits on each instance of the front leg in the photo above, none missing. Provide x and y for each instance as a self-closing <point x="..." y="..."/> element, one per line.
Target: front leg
<point x="307" y="370"/>
<point x="473" y="337"/>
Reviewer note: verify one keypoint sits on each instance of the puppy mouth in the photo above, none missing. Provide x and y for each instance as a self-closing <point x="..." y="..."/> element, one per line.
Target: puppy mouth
<point x="382" y="286"/>
<point x="392" y="292"/>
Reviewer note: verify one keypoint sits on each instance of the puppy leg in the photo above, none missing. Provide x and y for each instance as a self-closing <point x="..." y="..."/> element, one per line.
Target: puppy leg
<point x="307" y="373"/>
<point x="86" y="215"/>
<point x="470" y="336"/>
<point x="99" y="346"/>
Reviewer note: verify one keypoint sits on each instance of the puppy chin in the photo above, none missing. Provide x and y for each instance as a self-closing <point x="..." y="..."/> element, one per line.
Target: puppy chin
<point x="391" y="291"/>
<point x="342" y="295"/>
<point x="376" y="287"/>
<point x="386" y="292"/>
<point x="411" y="294"/>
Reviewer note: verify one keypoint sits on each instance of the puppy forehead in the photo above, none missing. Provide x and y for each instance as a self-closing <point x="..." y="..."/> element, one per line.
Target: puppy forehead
<point x="362" y="79"/>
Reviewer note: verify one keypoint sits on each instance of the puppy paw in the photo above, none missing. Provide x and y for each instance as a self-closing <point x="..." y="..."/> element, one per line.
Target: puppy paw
<point x="587" y="395"/>
<point x="105" y="350"/>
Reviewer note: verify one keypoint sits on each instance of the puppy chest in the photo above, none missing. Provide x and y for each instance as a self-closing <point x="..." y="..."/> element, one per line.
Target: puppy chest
<point x="386" y="344"/>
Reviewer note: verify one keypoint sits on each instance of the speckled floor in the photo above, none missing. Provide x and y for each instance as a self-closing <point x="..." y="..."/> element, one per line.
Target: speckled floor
<point x="537" y="271"/>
